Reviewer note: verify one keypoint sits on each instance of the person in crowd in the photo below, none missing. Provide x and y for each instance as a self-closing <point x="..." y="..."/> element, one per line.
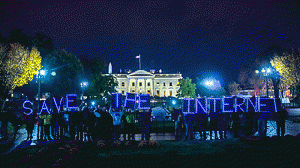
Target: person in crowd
<point x="235" y="124"/>
<point x="116" y="114"/>
<point x="81" y="117"/>
<point x="223" y="124"/>
<point x="55" y="125"/>
<point x="250" y="123"/>
<point x="130" y="121"/>
<point x="124" y="124"/>
<point x="213" y="123"/>
<point x="142" y="113"/>
<point x="179" y="125"/>
<point x="97" y="129"/>
<point x="146" y="122"/>
<point x="202" y="120"/>
<point x="62" y="124"/>
<point x="281" y="116"/>
<point x="29" y="121"/>
<point x="41" y="130"/>
<point x="47" y="122"/>
<point x="107" y="123"/>
<point x="189" y="122"/>
<point x="91" y="125"/>
<point x="85" y="117"/>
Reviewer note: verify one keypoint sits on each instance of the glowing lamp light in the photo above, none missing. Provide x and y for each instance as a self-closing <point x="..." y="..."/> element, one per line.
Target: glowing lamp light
<point x="173" y="102"/>
<point x="93" y="103"/>
<point x="209" y="83"/>
<point x="268" y="70"/>
<point x="84" y="84"/>
<point x="53" y="73"/>
<point x="42" y="72"/>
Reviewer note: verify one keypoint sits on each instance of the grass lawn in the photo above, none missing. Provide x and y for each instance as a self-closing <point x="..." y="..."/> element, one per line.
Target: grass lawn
<point x="232" y="153"/>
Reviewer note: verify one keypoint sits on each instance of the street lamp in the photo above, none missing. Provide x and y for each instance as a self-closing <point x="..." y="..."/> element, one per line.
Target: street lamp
<point x="40" y="73"/>
<point x="83" y="86"/>
<point x="266" y="74"/>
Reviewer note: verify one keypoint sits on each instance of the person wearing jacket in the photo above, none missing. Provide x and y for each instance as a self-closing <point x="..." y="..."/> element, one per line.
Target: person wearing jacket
<point x="130" y="118"/>
<point x="47" y="122"/>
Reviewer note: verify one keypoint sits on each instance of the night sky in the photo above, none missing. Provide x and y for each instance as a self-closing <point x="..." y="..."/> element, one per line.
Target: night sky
<point x="195" y="38"/>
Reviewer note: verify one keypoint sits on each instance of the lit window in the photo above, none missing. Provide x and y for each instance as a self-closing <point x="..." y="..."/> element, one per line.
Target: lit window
<point x="171" y="93"/>
<point x="148" y="91"/>
<point x="164" y="93"/>
<point x="133" y="91"/>
<point x="177" y="83"/>
<point x="157" y="93"/>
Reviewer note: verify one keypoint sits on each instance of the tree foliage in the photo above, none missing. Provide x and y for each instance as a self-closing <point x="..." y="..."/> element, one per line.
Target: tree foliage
<point x="18" y="65"/>
<point x="187" y="88"/>
<point x="288" y="67"/>
<point x="233" y="88"/>
<point x="102" y="86"/>
<point x="69" y="72"/>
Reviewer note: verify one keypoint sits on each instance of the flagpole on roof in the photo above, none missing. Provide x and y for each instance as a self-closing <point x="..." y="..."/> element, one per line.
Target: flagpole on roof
<point x="139" y="57"/>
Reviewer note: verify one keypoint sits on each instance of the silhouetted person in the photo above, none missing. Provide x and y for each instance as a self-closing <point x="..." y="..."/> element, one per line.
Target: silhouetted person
<point x="280" y="122"/>
<point x="29" y="120"/>
<point x="147" y="123"/>
<point x="124" y="125"/>
<point x="107" y="123"/>
<point x="130" y="121"/>
<point x="116" y="114"/>
<point x="189" y="122"/>
<point x="179" y="122"/>
<point x="202" y="120"/>
<point x="91" y="125"/>
<point x="235" y="124"/>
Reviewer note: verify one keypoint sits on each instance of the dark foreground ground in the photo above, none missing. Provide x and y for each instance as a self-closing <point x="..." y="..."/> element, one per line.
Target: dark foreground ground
<point x="244" y="152"/>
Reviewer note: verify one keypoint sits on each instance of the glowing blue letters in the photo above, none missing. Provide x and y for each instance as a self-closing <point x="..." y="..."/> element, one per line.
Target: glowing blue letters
<point x="71" y="101"/>
<point x="116" y="101"/>
<point x="130" y="100"/>
<point x="144" y="101"/>
<point x="58" y="106"/>
<point x="27" y="108"/>
<point x="44" y="107"/>
<point x="231" y="104"/>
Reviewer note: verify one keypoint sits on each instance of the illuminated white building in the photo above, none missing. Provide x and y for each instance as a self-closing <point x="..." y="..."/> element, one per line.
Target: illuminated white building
<point x="141" y="81"/>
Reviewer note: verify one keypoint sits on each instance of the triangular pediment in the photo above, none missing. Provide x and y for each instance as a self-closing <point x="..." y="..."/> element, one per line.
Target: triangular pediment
<point x="141" y="73"/>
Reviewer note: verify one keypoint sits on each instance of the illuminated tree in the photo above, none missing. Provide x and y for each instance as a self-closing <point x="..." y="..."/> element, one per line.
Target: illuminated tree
<point x="17" y="67"/>
<point x="287" y="65"/>
<point x="187" y="88"/>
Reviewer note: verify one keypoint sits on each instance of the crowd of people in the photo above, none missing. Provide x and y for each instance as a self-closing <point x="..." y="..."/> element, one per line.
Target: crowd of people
<point x="106" y="124"/>
<point x="89" y="124"/>
<point x="218" y="124"/>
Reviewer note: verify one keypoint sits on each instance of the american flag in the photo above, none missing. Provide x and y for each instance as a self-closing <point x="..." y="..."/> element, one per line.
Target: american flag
<point x="138" y="56"/>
